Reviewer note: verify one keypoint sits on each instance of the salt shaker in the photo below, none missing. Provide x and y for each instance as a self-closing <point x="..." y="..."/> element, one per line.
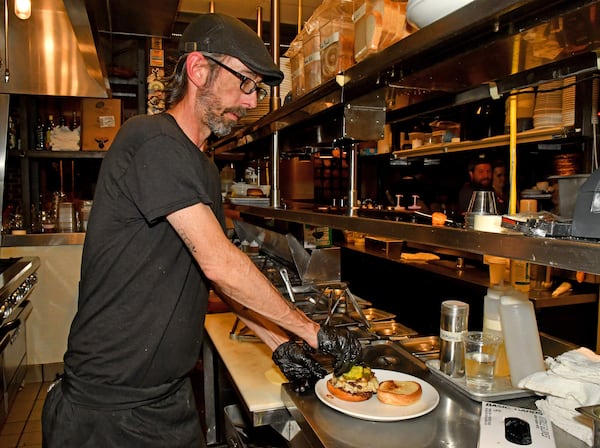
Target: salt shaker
<point x="453" y="324"/>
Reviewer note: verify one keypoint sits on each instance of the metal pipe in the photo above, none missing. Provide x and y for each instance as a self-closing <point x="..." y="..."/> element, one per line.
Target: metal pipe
<point x="259" y="21"/>
<point x="353" y="180"/>
<point x="275" y="37"/>
<point x="275" y="184"/>
<point x="211" y="7"/>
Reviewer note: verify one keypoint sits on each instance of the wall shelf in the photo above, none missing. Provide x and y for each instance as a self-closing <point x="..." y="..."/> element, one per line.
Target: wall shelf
<point x="569" y="254"/>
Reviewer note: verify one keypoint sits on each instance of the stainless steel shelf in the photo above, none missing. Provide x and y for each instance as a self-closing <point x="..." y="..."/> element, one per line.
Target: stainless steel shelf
<point x="575" y="255"/>
<point x="464" y="57"/>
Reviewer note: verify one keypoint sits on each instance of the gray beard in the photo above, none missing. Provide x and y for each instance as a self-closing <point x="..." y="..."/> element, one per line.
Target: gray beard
<point x="214" y="114"/>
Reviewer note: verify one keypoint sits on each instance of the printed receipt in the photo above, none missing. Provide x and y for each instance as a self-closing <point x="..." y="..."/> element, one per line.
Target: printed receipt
<point x="508" y="426"/>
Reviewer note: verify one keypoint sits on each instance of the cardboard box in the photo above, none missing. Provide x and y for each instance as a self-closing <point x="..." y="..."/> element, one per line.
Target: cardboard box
<point x="100" y="121"/>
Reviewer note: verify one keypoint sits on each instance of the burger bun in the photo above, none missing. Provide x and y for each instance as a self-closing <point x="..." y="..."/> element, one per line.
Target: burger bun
<point x="399" y="393"/>
<point x="347" y="396"/>
<point x="255" y="192"/>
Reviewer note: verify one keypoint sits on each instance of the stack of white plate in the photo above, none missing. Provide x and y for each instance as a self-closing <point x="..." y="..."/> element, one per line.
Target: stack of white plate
<point x="568" y="101"/>
<point x="421" y="13"/>
<point x="548" y="105"/>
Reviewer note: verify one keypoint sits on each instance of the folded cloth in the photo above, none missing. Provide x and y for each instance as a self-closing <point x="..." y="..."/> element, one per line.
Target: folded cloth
<point x="561" y="412"/>
<point x="571" y="381"/>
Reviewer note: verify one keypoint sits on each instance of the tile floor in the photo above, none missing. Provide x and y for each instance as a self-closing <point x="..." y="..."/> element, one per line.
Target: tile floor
<point x="23" y="427"/>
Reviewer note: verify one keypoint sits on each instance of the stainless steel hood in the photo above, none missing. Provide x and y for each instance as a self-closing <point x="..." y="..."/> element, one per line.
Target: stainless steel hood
<point x="52" y="53"/>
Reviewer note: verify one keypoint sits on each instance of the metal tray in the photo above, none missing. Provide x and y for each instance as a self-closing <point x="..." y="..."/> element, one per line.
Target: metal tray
<point x="392" y="329"/>
<point x="374" y="315"/>
<point x="502" y="389"/>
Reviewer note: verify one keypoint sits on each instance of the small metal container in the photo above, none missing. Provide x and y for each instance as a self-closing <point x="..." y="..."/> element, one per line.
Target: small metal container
<point x="453" y="323"/>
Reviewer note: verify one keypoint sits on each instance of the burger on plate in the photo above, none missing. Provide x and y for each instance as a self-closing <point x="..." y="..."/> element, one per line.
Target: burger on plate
<point x="358" y="384"/>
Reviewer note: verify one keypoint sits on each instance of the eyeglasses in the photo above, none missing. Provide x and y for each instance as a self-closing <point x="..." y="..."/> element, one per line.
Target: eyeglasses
<point x="247" y="85"/>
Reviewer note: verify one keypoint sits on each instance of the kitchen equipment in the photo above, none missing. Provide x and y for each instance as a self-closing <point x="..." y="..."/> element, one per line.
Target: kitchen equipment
<point x="586" y="216"/>
<point x="482" y="202"/>
<point x="288" y="284"/>
<point x="423" y="347"/>
<point x="19" y="278"/>
<point x="521" y="337"/>
<point x="453" y="324"/>
<point x="568" y="190"/>
<point x="392" y="330"/>
<point x="501" y="390"/>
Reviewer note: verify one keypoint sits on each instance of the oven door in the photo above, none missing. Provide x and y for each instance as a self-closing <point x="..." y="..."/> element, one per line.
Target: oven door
<point x="13" y="347"/>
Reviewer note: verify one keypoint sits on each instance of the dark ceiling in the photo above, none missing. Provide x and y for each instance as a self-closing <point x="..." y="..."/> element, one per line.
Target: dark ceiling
<point x="157" y="18"/>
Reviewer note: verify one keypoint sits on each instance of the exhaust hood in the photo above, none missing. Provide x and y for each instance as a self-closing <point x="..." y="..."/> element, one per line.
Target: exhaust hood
<point x="52" y="53"/>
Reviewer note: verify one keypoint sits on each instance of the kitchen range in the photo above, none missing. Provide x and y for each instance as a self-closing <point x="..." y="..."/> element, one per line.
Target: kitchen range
<point x="17" y="279"/>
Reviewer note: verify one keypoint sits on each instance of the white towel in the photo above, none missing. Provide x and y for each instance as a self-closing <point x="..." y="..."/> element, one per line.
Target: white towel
<point x="571" y="381"/>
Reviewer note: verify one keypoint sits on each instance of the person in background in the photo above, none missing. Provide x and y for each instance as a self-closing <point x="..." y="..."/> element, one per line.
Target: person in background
<point x="500" y="186"/>
<point x="480" y="178"/>
<point x="155" y="245"/>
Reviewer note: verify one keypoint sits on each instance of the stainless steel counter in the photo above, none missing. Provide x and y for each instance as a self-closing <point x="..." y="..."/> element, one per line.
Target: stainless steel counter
<point x="43" y="239"/>
<point x="453" y="423"/>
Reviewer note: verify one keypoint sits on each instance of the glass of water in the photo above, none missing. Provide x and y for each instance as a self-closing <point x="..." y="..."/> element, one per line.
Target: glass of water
<point x="481" y="350"/>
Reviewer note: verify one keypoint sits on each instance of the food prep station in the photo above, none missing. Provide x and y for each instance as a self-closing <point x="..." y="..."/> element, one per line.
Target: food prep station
<point x="303" y="420"/>
<point x="447" y="415"/>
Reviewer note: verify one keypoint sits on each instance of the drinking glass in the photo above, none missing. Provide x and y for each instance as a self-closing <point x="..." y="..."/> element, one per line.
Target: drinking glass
<point x="481" y="350"/>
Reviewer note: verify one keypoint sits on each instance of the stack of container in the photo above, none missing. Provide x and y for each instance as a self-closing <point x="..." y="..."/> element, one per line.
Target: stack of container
<point x="339" y="33"/>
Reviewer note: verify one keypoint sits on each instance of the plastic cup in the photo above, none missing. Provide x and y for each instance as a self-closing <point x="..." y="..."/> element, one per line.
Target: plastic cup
<point x="481" y="350"/>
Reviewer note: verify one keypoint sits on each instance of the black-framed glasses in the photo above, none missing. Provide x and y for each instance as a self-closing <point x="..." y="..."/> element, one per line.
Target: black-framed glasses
<point x="247" y="85"/>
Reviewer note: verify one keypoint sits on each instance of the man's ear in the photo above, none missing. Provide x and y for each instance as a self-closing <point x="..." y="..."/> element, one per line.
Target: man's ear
<point x="197" y="68"/>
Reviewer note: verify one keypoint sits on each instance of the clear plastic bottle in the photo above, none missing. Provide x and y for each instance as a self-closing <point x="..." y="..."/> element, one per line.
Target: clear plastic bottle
<point x="521" y="337"/>
<point x="493" y="324"/>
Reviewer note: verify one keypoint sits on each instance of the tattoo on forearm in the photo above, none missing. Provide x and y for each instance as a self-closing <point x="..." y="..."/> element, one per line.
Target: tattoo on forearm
<point x="187" y="241"/>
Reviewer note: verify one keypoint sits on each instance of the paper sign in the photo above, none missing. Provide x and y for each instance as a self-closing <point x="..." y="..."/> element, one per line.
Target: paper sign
<point x="503" y="426"/>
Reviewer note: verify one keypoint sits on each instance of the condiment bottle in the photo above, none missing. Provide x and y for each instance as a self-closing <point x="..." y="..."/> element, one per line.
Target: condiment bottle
<point x="521" y="337"/>
<point x="493" y="324"/>
<point x="453" y="324"/>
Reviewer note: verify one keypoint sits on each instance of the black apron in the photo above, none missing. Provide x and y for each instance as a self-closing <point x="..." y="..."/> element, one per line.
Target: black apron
<point x="80" y="414"/>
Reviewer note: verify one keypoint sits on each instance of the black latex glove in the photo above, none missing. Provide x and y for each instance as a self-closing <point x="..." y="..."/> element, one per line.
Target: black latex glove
<point x="342" y="345"/>
<point x="299" y="368"/>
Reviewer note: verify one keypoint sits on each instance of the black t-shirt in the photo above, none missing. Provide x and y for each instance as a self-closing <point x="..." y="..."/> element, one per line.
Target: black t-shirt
<point x="142" y="296"/>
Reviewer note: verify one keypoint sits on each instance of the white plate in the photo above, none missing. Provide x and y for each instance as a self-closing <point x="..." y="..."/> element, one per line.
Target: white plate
<point x="375" y="410"/>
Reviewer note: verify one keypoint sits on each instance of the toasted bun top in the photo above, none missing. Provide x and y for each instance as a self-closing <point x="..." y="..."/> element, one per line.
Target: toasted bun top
<point x="399" y="393"/>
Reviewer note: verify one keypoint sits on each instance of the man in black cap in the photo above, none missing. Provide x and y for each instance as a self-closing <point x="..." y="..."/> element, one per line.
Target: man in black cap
<point x="480" y="178"/>
<point x="155" y="244"/>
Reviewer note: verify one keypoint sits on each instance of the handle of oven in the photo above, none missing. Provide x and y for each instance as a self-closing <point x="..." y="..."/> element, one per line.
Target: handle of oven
<point x="5" y="329"/>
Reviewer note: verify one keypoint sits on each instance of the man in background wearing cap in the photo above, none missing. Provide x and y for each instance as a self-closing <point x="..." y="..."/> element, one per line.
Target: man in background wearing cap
<point x="154" y="246"/>
<point x="480" y="178"/>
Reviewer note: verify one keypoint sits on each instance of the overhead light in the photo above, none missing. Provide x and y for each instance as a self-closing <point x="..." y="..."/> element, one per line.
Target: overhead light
<point x="23" y="9"/>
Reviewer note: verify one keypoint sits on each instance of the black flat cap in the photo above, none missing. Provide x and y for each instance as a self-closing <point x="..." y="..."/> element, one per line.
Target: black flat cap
<point x="219" y="33"/>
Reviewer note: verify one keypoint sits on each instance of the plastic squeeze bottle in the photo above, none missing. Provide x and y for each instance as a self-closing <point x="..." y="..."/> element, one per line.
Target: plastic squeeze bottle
<point x="521" y="337"/>
<point x="492" y="324"/>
